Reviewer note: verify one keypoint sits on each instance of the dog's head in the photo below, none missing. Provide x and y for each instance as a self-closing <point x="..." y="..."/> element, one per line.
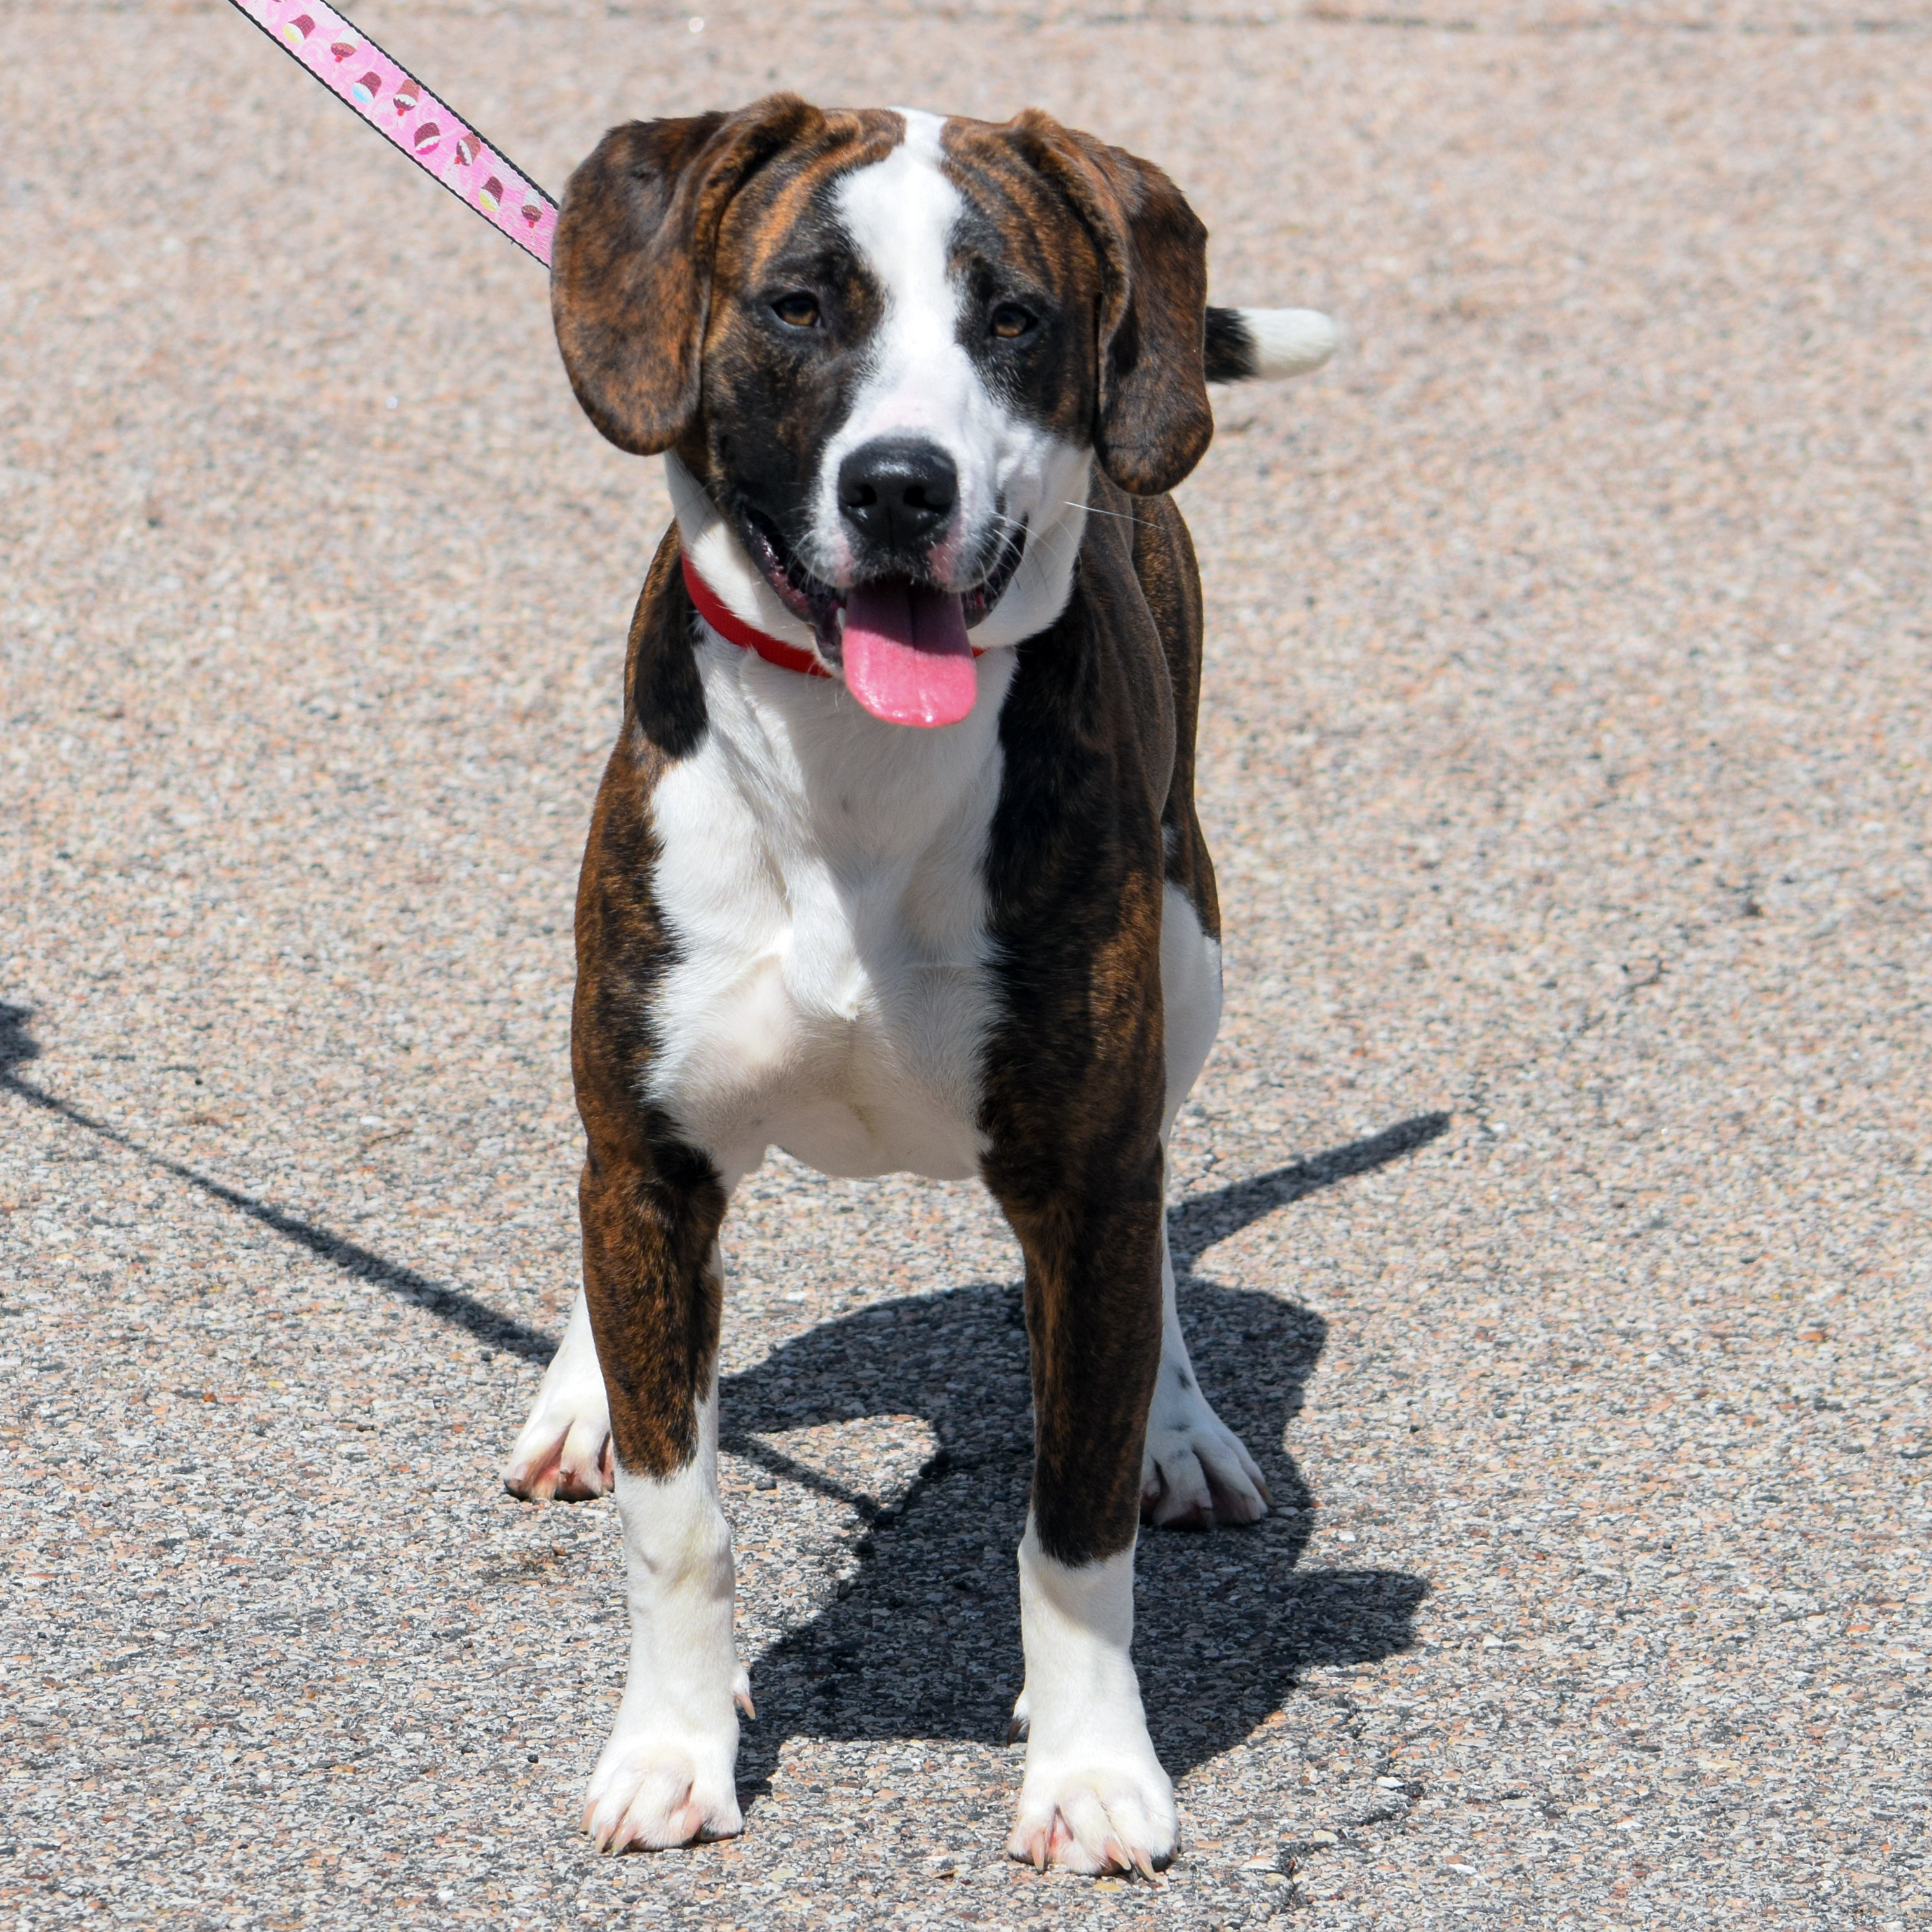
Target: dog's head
<point x="881" y="350"/>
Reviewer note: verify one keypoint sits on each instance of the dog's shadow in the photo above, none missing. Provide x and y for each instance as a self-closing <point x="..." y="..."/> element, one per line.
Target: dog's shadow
<point x="922" y="1641"/>
<point x="17" y="1045"/>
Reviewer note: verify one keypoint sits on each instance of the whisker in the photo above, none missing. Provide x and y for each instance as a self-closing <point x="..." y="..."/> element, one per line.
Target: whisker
<point x="1047" y="546"/>
<point x="1050" y="546"/>
<point x="1048" y="542"/>
<point x="1119" y="515"/>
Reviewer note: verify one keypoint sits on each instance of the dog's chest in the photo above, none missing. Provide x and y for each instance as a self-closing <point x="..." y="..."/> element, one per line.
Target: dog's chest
<point x="820" y="874"/>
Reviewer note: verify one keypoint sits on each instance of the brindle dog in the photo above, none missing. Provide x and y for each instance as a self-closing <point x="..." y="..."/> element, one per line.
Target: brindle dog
<point x="896" y="863"/>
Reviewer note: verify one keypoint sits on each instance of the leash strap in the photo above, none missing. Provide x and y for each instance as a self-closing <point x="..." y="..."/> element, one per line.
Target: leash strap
<point x="399" y="107"/>
<point x="378" y="90"/>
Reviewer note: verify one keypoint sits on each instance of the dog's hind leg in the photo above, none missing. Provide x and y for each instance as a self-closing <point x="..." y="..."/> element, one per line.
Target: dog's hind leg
<point x="1196" y="1471"/>
<point x="564" y="1450"/>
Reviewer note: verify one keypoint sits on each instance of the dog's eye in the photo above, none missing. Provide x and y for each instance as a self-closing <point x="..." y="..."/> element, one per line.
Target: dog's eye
<point x="800" y="309"/>
<point x="1009" y="321"/>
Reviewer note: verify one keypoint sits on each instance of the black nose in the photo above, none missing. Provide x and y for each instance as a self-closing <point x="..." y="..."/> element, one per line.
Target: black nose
<point x="898" y="493"/>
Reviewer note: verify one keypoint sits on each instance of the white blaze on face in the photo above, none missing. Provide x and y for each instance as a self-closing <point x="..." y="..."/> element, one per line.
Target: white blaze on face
<point x="901" y="213"/>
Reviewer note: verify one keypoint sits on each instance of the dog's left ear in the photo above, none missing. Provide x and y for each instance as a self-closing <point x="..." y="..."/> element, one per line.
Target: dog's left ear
<point x="1153" y="422"/>
<point x="631" y="267"/>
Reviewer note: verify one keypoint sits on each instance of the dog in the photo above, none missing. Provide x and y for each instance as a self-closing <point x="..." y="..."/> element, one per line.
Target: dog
<point x="896" y="865"/>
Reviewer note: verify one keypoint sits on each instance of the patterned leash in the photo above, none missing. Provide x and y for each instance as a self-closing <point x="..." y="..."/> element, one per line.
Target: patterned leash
<point x="358" y="72"/>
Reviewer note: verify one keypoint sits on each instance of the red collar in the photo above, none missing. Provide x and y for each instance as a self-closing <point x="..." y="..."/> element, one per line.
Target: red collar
<point x="734" y="629"/>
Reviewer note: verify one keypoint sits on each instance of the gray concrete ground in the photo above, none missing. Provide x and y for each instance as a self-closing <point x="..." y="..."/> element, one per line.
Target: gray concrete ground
<point x="1554" y="1202"/>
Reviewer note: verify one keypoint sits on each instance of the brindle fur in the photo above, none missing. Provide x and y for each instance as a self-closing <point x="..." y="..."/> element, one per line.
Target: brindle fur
<point x="1075" y="1077"/>
<point x="651" y="1205"/>
<point x="1152" y="420"/>
<point x="662" y="232"/>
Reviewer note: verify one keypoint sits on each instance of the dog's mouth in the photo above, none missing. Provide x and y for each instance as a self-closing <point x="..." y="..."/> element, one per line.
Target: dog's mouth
<point x="902" y="643"/>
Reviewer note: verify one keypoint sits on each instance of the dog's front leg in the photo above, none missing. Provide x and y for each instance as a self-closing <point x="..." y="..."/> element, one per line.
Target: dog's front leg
<point x="652" y="1279"/>
<point x="1094" y="1797"/>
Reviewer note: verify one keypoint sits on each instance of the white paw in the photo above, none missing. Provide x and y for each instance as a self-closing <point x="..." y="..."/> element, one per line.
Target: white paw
<point x="1094" y="1798"/>
<point x="1197" y="1472"/>
<point x="565" y="1459"/>
<point x="564" y="1450"/>
<point x="666" y="1777"/>
<point x="650" y="1793"/>
<point x="1094" y="1812"/>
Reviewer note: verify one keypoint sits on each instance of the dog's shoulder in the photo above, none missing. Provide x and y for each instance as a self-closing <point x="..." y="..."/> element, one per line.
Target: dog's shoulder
<point x="1094" y="688"/>
<point x="623" y="939"/>
<point x="1098" y="730"/>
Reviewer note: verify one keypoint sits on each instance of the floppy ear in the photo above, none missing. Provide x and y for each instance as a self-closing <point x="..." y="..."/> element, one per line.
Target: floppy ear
<point x="1153" y="423"/>
<point x="631" y="267"/>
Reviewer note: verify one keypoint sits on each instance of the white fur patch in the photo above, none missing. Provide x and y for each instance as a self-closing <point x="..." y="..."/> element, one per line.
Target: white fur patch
<point x="1190" y="996"/>
<point x="1092" y="1783"/>
<point x="666" y="1776"/>
<point x="820" y="869"/>
<point x="1289" y="341"/>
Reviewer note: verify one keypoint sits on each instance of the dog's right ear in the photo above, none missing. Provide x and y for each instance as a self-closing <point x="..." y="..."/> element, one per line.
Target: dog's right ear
<point x="631" y="267"/>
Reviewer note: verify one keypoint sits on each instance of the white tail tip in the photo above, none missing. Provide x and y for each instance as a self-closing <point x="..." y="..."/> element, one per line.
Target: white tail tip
<point x="1289" y="341"/>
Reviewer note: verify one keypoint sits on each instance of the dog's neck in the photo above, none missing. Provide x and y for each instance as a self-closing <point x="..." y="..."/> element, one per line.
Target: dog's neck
<point x="1035" y="598"/>
<point x="721" y="560"/>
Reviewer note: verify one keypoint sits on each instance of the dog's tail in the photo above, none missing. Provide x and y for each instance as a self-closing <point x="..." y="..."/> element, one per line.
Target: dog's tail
<point x="1267" y="345"/>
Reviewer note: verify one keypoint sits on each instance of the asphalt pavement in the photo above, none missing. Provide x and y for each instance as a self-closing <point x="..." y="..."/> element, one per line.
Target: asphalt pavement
<point x="1553" y="1212"/>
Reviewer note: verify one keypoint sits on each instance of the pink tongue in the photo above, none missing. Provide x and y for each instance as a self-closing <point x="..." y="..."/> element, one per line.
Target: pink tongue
<point x="907" y="658"/>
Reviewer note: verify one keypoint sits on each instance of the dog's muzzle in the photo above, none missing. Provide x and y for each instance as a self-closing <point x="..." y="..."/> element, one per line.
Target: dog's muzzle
<point x="900" y="638"/>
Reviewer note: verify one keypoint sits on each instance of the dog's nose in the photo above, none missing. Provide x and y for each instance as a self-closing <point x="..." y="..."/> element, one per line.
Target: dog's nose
<point x="898" y="493"/>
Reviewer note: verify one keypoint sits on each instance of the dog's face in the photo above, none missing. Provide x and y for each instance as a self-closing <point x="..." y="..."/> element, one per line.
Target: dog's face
<point x="886" y="348"/>
<point x="896" y="382"/>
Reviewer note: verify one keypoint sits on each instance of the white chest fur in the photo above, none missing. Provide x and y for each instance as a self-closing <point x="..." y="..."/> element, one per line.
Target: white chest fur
<point x="820" y="872"/>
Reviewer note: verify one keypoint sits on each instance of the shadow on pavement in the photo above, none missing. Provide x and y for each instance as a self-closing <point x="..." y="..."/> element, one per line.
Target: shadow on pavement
<point x="16" y="1044"/>
<point x="925" y="1641"/>
<point x="1199" y="1222"/>
<point x="452" y="1305"/>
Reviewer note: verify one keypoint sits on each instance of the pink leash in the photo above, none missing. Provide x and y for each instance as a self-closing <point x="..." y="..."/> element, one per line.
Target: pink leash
<point x="357" y="71"/>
